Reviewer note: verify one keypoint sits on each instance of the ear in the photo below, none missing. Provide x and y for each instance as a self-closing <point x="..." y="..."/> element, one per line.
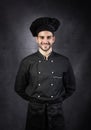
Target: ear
<point x="54" y="38"/>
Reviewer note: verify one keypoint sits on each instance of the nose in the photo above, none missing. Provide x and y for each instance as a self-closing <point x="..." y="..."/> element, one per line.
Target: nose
<point x="45" y="40"/>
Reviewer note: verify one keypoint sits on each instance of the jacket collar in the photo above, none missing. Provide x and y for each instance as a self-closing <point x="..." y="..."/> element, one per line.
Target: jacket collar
<point x="43" y="57"/>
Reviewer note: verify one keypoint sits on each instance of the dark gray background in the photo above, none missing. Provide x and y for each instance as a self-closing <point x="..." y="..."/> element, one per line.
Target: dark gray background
<point x="16" y="42"/>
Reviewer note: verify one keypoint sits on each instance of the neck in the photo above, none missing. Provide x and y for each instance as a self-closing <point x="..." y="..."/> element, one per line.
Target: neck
<point x="45" y="53"/>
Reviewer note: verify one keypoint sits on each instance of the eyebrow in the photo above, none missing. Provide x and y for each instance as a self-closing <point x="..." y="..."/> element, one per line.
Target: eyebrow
<point x="47" y="36"/>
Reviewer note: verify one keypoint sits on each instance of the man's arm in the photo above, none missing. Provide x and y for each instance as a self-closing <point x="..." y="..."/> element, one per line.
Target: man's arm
<point x="22" y="80"/>
<point x="69" y="81"/>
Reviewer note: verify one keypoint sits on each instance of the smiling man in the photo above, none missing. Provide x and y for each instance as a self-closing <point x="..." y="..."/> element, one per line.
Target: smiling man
<point x="45" y="40"/>
<point x="45" y="79"/>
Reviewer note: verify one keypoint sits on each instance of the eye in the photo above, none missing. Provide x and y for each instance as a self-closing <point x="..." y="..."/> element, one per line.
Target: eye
<point x="49" y="37"/>
<point x="41" y="37"/>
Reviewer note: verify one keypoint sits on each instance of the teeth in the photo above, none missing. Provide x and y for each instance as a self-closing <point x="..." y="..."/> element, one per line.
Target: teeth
<point x="45" y="44"/>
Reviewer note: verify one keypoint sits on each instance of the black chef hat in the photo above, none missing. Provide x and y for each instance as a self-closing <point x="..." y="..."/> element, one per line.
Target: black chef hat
<point x="44" y="23"/>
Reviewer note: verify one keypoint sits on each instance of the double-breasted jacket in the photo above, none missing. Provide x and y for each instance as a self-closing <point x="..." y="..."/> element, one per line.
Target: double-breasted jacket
<point x="44" y="80"/>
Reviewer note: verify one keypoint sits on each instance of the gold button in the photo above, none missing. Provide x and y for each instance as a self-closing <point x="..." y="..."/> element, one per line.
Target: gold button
<point x="39" y="72"/>
<point x="38" y="84"/>
<point x="52" y="72"/>
<point x="51" y="60"/>
<point x="39" y="61"/>
<point x="38" y="96"/>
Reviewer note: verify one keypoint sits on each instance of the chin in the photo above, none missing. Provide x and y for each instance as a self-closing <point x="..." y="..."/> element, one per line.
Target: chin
<point x="44" y="49"/>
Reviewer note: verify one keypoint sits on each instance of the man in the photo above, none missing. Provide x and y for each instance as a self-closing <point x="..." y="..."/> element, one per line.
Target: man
<point x="45" y="79"/>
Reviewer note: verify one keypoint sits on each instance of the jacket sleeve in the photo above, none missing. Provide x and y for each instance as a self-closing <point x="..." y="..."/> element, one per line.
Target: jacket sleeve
<point x="69" y="81"/>
<point x="22" y="80"/>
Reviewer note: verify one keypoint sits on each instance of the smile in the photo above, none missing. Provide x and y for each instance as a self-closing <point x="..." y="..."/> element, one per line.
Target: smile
<point x="45" y="43"/>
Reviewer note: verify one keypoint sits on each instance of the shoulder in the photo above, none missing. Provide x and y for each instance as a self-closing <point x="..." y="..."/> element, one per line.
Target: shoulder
<point x="58" y="55"/>
<point x="30" y="58"/>
<point x="62" y="60"/>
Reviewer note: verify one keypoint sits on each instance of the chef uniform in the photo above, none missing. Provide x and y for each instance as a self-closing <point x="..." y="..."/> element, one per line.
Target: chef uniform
<point x="45" y="83"/>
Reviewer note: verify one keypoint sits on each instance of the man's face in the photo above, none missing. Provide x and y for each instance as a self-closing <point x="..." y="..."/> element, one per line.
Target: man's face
<point x="45" y="40"/>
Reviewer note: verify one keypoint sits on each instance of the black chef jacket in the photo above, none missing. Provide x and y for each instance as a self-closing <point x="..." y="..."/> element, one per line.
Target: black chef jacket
<point x="46" y="80"/>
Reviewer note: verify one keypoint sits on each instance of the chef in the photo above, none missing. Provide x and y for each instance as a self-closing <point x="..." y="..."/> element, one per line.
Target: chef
<point x="45" y="79"/>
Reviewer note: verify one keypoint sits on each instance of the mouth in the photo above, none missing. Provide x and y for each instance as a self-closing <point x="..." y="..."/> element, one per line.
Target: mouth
<point x="45" y="43"/>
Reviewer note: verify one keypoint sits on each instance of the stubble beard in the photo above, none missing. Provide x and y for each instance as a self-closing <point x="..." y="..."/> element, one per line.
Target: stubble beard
<point x="45" y="48"/>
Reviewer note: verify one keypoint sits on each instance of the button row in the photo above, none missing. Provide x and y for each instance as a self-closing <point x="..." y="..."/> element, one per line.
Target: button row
<point x="40" y="96"/>
<point x="41" y="61"/>
<point x="51" y="72"/>
<point x="50" y="84"/>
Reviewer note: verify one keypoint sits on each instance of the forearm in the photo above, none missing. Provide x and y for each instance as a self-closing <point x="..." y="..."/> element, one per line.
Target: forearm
<point x="21" y="81"/>
<point x="69" y="82"/>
